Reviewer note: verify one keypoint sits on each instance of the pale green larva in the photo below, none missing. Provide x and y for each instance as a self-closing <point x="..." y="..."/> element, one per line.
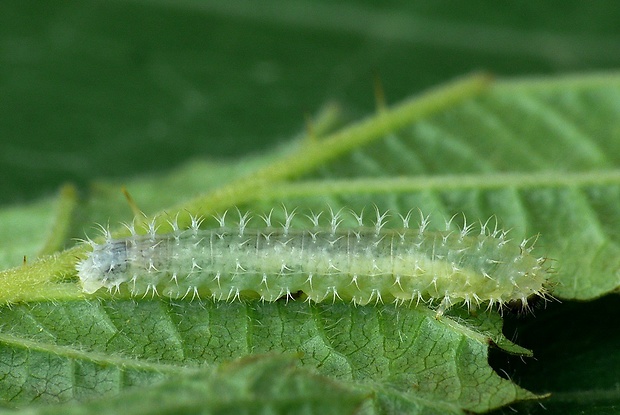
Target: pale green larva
<point x="361" y="265"/>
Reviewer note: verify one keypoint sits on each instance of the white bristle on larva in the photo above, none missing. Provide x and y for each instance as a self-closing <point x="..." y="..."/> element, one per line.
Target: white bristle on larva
<point x="363" y="264"/>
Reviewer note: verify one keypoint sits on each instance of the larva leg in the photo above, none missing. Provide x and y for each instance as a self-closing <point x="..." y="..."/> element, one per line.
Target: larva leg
<point x="443" y="307"/>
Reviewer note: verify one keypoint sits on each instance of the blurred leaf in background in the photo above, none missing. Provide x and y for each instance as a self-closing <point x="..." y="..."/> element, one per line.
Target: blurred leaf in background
<point x="115" y="88"/>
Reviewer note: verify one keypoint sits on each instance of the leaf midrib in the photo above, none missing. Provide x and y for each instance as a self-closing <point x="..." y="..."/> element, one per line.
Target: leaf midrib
<point x="100" y="358"/>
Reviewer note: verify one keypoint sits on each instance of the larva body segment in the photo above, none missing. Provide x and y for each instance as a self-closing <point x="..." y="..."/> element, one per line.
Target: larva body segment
<point x="361" y="265"/>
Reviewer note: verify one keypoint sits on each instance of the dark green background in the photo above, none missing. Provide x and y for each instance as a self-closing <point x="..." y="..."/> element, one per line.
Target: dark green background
<point x="102" y="89"/>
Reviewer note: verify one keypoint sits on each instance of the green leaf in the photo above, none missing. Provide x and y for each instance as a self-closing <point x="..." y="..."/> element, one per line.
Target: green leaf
<point x="530" y="152"/>
<point x="376" y="349"/>
<point x="68" y="351"/>
<point x="260" y="384"/>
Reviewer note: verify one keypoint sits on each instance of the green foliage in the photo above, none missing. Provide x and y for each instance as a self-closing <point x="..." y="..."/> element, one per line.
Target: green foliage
<point x="261" y="384"/>
<point x="541" y="155"/>
<point x="64" y="349"/>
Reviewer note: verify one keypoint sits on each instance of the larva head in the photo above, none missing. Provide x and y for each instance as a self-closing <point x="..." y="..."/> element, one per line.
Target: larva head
<point x="104" y="267"/>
